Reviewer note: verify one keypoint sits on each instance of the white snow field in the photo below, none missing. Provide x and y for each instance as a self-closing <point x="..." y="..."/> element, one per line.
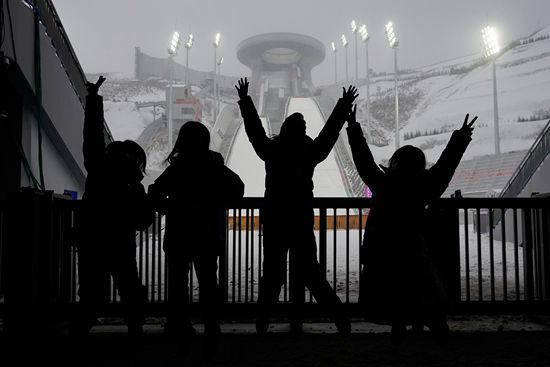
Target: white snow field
<point x="244" y="161"/>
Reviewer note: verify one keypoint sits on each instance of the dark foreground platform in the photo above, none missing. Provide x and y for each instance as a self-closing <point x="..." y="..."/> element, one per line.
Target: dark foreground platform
<point x="474" y="341"/>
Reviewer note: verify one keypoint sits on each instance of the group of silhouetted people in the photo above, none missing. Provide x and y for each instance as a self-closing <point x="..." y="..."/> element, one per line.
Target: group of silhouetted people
<point x="400" y="285"/>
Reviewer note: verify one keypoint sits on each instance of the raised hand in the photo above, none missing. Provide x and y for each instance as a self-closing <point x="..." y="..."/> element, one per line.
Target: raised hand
<point x="352" y="117"/>
<point x="242" y="88"/>
<point x="93" y="88"/>
<point x="467" y="127"/>
<point x="349" y="95"/>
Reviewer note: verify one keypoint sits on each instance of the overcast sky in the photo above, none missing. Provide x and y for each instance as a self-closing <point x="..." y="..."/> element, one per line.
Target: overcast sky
<point x="105" y="32"/>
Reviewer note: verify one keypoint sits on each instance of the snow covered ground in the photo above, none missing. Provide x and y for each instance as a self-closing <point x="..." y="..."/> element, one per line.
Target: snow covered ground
<point x="245" y="162"/>
<point x="343" y="265"/>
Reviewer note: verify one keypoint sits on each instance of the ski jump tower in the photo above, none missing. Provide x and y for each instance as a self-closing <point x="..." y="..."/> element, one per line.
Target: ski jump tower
<point x="282" y="62"/>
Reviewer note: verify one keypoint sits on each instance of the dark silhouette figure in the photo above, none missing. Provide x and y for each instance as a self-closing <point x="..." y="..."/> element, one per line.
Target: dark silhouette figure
<point x="114" y="207"/>
<point x="192" y="192"/>
<point x="290" y="159"/>
<point x="399" y="284"/>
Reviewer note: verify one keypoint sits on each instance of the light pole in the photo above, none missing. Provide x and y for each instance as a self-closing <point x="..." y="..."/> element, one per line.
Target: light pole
<point x="491" y="50"/>
<point x="345" y="45"/>
<point x="220" y="62"/>
<point x="172" y="51"/>
<point x="188" y="45"/>
<point x="354" y="32"/>
<point x="217" y="41"/>
<point x="335" y="72"/>
<point x="392" y="39"/>
<point x="365" y="38"/>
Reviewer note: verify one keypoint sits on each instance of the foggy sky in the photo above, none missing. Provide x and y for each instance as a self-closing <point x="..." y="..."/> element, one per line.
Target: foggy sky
<point x="105" y="32"/>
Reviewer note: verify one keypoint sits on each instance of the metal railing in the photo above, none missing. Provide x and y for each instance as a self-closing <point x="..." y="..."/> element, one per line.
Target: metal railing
<point x="484" y="271"/>
<point x="528" y="166"/>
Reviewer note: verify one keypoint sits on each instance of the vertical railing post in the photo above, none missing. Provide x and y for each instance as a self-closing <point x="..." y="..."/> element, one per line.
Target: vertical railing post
<point x="323" y="239"/>
<point x="528" y="254"/>
<point x="545" y="242"/>
<point x="222" y="261"/>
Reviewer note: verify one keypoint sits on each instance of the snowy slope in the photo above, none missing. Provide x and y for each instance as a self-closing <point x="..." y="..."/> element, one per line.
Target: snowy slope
<point x="244" y="161"/>
<point x="523" y="83"/>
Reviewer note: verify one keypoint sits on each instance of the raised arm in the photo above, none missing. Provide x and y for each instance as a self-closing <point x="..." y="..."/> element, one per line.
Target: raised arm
<point x="252" y="123"/>
<point x="323" y="144"/>
<point x="369" y="172"/>
<point x="441" y="173"/>
<point x="93" y="146"/>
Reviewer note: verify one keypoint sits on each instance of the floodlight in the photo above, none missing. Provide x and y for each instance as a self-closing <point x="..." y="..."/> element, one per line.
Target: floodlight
<point x="390" y="34"/>
<point x="353" y="26"/>
<point x="333" y="46"/>
<point x="189" y="41"/>
<point x="174" y="45"/>
<point x="344" y="41"/>
<point x="490" y="41"/>
<point x="217" y="40"/>
<point x="220" y="61"/>
<point x="363" y="32"/>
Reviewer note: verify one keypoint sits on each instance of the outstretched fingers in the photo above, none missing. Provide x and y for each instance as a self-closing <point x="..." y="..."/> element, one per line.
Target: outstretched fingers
<point x="472" y="123"/>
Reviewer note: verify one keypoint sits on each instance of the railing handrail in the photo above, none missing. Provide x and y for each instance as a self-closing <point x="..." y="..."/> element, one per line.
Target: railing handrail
<point x="523" y="164"/>
<point x="358" y="202"/>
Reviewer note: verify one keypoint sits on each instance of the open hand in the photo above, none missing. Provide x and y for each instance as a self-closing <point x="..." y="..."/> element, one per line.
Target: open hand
<point x="93" y="88"/>
<point x="242" y="88"/>
<point x="349" y="95"/>
<point x="467" y="127"/>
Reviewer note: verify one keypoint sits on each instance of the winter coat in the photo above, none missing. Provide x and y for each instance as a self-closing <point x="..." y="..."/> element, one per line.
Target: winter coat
<point x="112" y="210"/>
<point x="193" y="194"/>
<point x="289" y="167"/>
<point x="399" y="281"/>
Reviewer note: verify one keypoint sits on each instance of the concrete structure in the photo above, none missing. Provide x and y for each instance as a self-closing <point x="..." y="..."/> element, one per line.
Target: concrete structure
<point x="58" y="119"/>
<point x="282" y="61"/>
<point x="146" y="66"/>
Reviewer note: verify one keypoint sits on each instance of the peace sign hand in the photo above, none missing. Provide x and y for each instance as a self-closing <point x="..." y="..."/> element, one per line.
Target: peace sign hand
<point x="93" y="88"/>
<point x="467" y="127"/>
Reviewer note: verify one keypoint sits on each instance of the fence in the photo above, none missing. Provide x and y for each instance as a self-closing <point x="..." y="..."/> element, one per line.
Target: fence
<point x="486" y="269"/>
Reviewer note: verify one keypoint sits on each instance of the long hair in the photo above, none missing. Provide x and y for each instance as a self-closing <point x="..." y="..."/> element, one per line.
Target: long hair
<point x="193" y="137"/>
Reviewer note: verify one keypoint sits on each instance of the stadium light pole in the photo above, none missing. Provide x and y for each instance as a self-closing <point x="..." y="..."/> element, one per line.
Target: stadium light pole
<point x="365" y="38"/>
<point x="188" y="46"/>
<point x="217" y="41"/>
<point x="491" y="50"/>
<point x="220" y="62"/>
<point x="392" y="39"/>
<point x="333" y="46"/>
<point x="172" y="51"/>
<point x="354" y="30"/>
<point x="345" y="45"/>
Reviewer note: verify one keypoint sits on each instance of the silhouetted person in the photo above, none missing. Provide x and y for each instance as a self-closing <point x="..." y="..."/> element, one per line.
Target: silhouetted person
<point x="290" y="159"/>
<point x="399" y="285"/>
<point x="114" y="207"/>
<point x="192" y="192"/>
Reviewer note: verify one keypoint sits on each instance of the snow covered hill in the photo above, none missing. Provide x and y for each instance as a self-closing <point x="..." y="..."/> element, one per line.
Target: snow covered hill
<point x="432" y="99"/>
